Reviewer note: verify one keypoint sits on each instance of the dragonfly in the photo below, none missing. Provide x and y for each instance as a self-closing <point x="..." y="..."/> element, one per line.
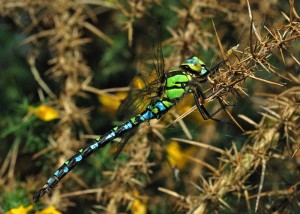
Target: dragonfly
<point x="163" y="93"/>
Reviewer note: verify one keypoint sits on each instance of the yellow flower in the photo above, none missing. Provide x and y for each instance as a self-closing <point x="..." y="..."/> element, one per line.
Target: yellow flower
<point x="45" y="113"/>
<point x="110" y="103"/>
<point x="49" y="210"/>
<point x="20" y="210"/>
<point x="138" y="207"/>
<point x="178" y="157"/>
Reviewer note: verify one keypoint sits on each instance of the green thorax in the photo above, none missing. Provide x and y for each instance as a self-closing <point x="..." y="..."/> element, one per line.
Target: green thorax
<point x="176" y="83"/>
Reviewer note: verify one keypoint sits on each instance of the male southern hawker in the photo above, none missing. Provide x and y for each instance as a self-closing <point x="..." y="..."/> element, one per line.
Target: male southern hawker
<point x="173" y="85"/>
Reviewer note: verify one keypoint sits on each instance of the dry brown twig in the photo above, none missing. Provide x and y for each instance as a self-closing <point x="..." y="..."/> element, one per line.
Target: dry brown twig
<point x="228" y="80"/>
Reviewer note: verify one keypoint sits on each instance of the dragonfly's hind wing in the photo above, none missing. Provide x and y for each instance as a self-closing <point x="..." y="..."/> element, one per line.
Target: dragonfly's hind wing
<point x="154" y="60"/>
<point x="150" y="76"/>
<point x="147" y="84"/>
<point x="136" y="102"/>
<point x="160" y="65"/>
<point x="123" y="142"/>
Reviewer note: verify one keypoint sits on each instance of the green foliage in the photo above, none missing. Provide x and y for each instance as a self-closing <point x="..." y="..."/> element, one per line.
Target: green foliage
<point x="15" y="80"/>
<point x="14" y="198"/>
<point x="30" y="132"/>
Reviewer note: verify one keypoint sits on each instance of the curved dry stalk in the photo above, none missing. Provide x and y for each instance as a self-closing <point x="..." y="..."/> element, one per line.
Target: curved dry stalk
<point x="237" y="167"/>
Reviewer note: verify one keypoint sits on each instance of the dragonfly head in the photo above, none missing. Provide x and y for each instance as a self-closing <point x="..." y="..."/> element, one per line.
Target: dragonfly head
<point x="195" y="66"/>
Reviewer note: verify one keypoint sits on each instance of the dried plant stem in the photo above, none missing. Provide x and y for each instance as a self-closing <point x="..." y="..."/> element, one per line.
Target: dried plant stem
<point x="240" y="165"/>
<point x="38" y="78"/>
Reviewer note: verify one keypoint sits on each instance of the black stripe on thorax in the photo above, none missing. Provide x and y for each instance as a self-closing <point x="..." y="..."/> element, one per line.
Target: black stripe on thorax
<point x="174" y="73"/>
<point x="183" y="85"/>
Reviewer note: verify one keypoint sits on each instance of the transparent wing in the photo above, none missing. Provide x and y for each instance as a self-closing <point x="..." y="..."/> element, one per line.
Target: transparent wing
<point x="123" y="142"/>
<point x="147" y="84"/>
<point x="158" y="64"/>
<point x="137" y="99"/>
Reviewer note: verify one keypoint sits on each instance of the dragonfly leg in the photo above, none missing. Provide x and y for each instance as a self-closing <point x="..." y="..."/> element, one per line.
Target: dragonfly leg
<point x="200" y="100"/>
<point x="205" y="114"/>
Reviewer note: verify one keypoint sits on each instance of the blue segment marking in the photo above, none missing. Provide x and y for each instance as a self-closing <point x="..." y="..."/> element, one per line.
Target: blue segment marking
<point x="49" y="180"/>
<point x="160" y="106"/>
<point x="111" y="135"/>
<point x="78" y="158"/>
<point x="128" y="125"/>
<point x="94" y="146"/>
<point x="147" y="115"/>
<point x="55" y="173"/>
<point x="66" y="169"/>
